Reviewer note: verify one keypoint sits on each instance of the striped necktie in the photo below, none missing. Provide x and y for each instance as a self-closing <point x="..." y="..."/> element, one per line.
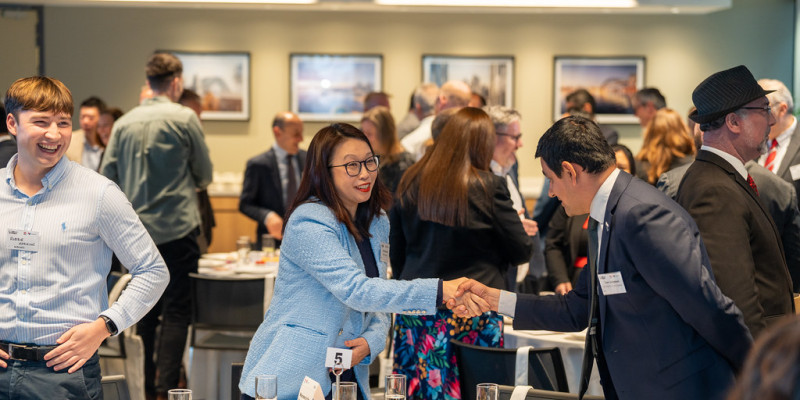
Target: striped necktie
<point x="769" y="163"/>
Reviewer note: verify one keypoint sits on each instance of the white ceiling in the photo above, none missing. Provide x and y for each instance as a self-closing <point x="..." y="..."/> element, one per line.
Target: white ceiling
<point x="449" y="6"/>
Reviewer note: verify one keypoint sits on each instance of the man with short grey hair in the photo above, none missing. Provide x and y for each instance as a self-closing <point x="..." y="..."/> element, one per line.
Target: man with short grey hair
<point x="783" y="155"/>
<point x="422" y="102"/>
<point x="451" y="94"/>
<point x="645" y="104"/>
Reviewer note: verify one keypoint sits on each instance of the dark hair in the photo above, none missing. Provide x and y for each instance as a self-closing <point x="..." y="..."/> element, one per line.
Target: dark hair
<point x="440" y="121"/>
<point x="317" y="181"/>
<point x="651" y="95"/>
<point x="3" y="127"/>
<point x="38" y="93"/>
<point x="95" y="102"/>
<point x="160" y="69"/>
<point x="114" y="112"/>
<point x="480" y="98"/>
<point x="438" y="184"/>
<point x="381" y="117"/>
<point x="772" y="369"/>
<point x="576" y="140"/>
<point x="577" y="99"/>
<point x="189" y="95"/>
<point x="713" y="125"/>
<point x="375" y="99"/>
<point x="628" y="154"/>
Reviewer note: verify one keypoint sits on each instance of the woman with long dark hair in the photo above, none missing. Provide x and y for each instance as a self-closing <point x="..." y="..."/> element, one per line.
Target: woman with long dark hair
<point x="453" y="218"/>
<point x="329" y="292"/>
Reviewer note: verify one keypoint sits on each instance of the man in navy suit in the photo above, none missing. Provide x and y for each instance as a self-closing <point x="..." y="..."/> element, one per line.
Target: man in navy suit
<point x="271" y="178"/>
<point x="659" y="326"/>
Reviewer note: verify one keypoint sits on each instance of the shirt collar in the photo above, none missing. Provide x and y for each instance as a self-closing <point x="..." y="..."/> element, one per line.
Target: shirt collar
<point x="280" y="153"/>
<point x="733" y="161"/>
<point x="785" y="136"/>
<point x="50" y="179"/>
<point x="498" y="169"/>
<point x="597" y="210"/>
<point x="157" y="99"/>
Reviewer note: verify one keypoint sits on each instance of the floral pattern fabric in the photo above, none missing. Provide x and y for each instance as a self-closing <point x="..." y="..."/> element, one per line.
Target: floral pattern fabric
<point x="424" y="354"/>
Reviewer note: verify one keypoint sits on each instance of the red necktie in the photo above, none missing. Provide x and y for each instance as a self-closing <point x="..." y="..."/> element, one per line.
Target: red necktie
<point x="769" y="163"/>
<point x="752" y="183"/>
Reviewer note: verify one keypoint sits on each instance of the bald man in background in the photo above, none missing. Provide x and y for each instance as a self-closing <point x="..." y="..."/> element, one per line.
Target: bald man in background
<point x="271" y="178"/>
<point x="451" y="94"/>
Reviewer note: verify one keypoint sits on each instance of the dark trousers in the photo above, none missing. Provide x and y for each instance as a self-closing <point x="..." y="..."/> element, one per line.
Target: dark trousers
<point x="174" y="308"/>
<point x="24" y="380"/>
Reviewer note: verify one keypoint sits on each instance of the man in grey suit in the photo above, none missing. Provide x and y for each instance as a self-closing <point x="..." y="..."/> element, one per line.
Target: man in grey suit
<point x="659" y="326"/>
<point x="783" y="155"/>
<point x="271" y="178"/>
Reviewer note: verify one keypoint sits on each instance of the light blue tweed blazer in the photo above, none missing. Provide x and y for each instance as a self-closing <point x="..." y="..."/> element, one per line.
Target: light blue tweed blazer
<point x="324" y="297"/>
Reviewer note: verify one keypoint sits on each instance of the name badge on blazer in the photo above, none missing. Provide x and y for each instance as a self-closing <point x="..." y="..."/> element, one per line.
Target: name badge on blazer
<point x="611" y="283"/>
<point x="794" y="170"/>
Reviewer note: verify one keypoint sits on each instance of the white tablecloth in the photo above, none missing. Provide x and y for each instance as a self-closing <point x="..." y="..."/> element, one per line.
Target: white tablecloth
<point x="571" y="345"/>
<point x="210" y="371"/>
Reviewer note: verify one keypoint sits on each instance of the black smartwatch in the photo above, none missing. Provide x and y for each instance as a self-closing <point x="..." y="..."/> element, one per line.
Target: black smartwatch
<point x="110" y="325"/>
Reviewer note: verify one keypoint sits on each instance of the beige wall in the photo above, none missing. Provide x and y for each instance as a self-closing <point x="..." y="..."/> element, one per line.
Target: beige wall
<point x="101" y="51"/>
<point x="17" y="40"/>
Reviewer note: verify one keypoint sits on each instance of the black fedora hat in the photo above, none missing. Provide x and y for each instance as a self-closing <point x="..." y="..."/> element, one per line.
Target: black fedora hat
<point x="725" y="92"/>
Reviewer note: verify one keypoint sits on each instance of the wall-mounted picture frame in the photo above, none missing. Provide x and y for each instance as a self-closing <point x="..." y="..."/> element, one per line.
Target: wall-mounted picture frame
<point x="222" y="80"/>
<point x="332" y="87"/>
<point x="612" y="81"/>
<point x="490" y="76"/>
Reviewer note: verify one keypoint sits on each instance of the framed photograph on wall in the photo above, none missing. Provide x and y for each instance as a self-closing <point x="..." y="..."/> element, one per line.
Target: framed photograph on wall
<point x="332" y="87"/>
<point x="222" y="80"/>
<point x="612" y="81"/>
<point x="490" y="76"/>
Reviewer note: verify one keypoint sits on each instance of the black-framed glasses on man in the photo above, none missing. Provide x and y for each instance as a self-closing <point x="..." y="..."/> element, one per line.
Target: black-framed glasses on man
<point x="353" y="168"/>
<point x="768" y="109"/>
<point x="516" y="137"/>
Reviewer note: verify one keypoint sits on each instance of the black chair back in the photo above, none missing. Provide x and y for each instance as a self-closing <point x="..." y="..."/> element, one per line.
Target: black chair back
<point x="236" y="376"/>
<point x="504" y="393"/>
<point x="115" y="387"/>
<point x="478" y="364"/>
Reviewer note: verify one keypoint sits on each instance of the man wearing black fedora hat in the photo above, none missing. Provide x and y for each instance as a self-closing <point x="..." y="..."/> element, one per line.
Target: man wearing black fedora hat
<point x="743" y="244"/>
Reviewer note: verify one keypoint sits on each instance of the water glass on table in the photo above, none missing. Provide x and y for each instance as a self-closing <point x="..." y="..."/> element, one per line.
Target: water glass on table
<point x="487" y="391"/>
<point x="266" y="387"/>
<point x="179" y="394"/>
<point x="243" y="249"/>
<point x="344" y="391"/>
<point x="395" y="387"/>
<point x="268" y="245"/>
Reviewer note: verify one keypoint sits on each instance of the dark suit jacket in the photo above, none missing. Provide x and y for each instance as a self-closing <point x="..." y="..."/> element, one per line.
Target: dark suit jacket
<point x="743" y="244"/>
<point x="791" y="158"/>
<point x="262" y="191"/>
<point x="492" y="240"/>
<point x="777" y="195"/>
<point x="566" y="241"/>
<point x="7" y="150"/>
<point x="673" y="334"/>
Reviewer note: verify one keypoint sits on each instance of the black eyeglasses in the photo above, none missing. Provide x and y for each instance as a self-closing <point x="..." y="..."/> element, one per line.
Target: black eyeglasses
<point x="515" y="137"/>
<point x="353" y="168"/>
<point x="768" y="109"/>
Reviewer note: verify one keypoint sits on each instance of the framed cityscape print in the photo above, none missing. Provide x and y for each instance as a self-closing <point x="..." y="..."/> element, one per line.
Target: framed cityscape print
<point x="222" y="80"/>
<point x="612" y="81"/>
<point x="332" y="87"/>
<point x="490" y="76"/>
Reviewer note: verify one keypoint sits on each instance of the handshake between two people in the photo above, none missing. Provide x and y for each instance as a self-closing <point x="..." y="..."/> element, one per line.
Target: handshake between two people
<point x="469" y="298"/>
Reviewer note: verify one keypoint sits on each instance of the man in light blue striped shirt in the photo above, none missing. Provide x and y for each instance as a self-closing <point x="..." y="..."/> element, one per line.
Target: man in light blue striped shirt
<point x="60" y="223"/>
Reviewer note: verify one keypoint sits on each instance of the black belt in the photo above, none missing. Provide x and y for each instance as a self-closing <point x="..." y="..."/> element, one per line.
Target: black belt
<point x="23" y="352"/>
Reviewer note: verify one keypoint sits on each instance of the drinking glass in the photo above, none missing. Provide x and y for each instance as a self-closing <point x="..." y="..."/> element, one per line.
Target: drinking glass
<point x="344" y="391"/>
<point x="266" y="387"/>
<point x="487" y="391"/>
<point x="243" y="248"/>
<point x="395" y="387"/>
<point x="268" y="245"/>
<point x="179" y="394"/>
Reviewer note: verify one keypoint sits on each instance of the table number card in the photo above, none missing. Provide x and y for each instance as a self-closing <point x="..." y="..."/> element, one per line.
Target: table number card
<point x="339" y="358"/>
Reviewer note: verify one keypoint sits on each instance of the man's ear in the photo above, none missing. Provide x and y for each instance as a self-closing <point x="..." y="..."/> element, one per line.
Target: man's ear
<point x="734" y="122"/>
<point x="11" y="124"/>
<point x="569" y="169"/>
<point x="276" y="130"/>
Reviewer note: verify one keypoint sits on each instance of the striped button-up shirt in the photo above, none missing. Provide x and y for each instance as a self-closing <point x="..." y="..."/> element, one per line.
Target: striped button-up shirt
<point x="80" y="217"/>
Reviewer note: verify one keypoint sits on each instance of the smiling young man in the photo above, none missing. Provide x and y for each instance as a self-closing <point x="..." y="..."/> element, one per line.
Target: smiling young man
<point x="60" y="224"/>
<point x="743" y="244"/>
<point x="659" y="326"/>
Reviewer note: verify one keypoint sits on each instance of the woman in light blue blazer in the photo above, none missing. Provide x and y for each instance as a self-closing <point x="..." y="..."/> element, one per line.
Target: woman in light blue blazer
<point x="335" y="241"/>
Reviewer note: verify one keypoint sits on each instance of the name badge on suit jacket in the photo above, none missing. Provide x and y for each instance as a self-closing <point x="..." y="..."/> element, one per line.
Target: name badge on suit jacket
<point x="794" y="170"/>
<point x="611" y="283"/>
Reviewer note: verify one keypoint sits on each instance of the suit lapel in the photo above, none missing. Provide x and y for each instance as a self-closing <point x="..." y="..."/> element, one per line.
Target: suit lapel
<point x="623" y="180"/>
<point x="734" y="174"/>
<point x="272" y="160"/>
<point x="789" y="157"/>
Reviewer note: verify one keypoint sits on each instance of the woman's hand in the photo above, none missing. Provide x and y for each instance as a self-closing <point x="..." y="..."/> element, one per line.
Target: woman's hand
<point x="360" y="349"/>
